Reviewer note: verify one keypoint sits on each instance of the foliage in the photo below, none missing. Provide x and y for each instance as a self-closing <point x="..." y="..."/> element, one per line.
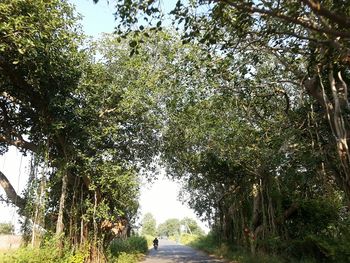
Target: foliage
<point x="174" y="227"/>
<point x="171" y="227"/>
<point x="127" y="258"/>
<point x="190" y="225"/>
<point x="131" y="245"/>
<point x="248" y="108"/>
<point x="6" y="228"/>
<point x="88" y="132"/>
<point x="47" y="252"/>
<point x="121" y="250"/>
<point x="306" y="50"/>
<point x="212" y="245"/>
<point x="40" y="65"/>
<point x="148" y="225"/>
<point x="149" y="240"/>
<point x="187" y="239"/>
<point x="128" y="250"/>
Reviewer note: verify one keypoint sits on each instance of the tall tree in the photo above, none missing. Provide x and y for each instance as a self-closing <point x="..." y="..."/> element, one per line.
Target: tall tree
<point x="149" y="225"/>
<point x="39" y="61"/>
<point x="308" y="38"/>
<point x="171" y="227"/>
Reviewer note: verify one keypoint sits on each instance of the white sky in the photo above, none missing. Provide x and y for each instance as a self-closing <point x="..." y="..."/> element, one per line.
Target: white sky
<point x="15" y="166"/>
<point x="158" y="198"/>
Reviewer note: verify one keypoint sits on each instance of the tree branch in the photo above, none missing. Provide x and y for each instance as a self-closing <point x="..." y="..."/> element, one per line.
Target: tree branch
<point x="17" y="80"/>
<point x="318" y="9"/>
<point x="11" y="194"/>
<point x="19" y="143"/>
<point x="271" y="13"/>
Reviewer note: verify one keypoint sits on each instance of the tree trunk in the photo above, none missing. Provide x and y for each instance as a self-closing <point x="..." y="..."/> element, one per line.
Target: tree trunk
<point x="60" y="225"/>
<point x="335" y="109"/>
<point x="11" y="194"/>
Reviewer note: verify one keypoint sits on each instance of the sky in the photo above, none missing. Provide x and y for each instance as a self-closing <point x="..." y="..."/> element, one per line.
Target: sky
<point x="15" y="166"/>
<point x="159" y="198"/>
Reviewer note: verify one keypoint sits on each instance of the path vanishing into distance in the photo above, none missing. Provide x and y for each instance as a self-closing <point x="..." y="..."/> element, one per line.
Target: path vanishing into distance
<point x="170" y="252"/>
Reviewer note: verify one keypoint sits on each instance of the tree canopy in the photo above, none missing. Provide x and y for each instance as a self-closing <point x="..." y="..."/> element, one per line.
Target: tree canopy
<point x="149" y="224"/>
<point x="244" y="102"/>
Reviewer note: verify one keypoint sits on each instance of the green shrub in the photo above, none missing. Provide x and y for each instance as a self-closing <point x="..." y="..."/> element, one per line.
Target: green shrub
<point x="149" y="240"/>
<point x="127" y="258"/>
<point x="6" y="228"/>
<point x="128" y="250"/>
<point x="132" y="245"/>
<point x="48" y="252"/>
<point x="187" y="238"/>
<point x="211" y="244"/>
<point x="320" y="248"/>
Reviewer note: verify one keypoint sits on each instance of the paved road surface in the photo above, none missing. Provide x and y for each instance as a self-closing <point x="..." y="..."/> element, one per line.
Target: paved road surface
<point x="170" y="252"/>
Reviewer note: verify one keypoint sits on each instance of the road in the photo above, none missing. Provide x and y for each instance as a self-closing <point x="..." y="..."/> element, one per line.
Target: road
<point x="170" y="252"/>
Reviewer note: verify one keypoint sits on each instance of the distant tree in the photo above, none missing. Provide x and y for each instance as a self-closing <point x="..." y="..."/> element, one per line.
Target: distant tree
<point x="6" y="228"/>
<point x="162" y="230"/>
<point x="191" y="226"/>
<point x="170" y="227"/>
<point x="149" y="225"/>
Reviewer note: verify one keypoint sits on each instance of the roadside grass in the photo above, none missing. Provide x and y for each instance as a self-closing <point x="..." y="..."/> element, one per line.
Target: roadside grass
<point x="149" y="240"/>
<point x="48" y="252"/>
<point x="211" y="245"/>
<point x="129" y="250"/>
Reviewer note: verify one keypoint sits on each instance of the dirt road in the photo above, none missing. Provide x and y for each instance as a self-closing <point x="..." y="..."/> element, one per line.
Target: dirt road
<point x="170" y="252"/>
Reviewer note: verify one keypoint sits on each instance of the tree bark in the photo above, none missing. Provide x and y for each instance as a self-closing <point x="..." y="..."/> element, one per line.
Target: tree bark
<point x="338" y="124"/>
<point x="19" y="143"/>
<point x="60" y="225"/>
<point x="11" y="194"/>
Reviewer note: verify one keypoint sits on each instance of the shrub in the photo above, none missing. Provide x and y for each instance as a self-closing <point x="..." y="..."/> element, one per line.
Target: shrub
<point x="187" y="238"/>
<point x="48" y="252"/>
<point x="149" y="240"/>
<point x="132" y="245"/>
<point x="128" y="250"/>
<point x="6" y="228"/>
<point x="127" y="258"/>
<point x="211" y="244"/>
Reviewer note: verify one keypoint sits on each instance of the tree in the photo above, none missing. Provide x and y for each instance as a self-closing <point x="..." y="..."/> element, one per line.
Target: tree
<point x="6" y="228"/>
<point x="190" y="226"/>
<point x="274" y="152"/>
<point x="309" y="40"/>
<point x="148" y="225"/>
<point x="171" y="227"/>
<point x="39" y="61"/>
<point x="88" y="132"/>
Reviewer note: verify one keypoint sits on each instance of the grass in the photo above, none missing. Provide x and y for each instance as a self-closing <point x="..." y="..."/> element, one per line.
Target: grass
<point x="129" y="250"/>
<point x="48" y="252"/>
<point x="212" y="246"/>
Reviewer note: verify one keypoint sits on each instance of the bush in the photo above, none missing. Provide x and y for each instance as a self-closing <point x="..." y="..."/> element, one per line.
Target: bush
<point x="187" y="239"/>
<point x="127" y="258"/>
<point x="6" y="228"/>
<point x="321" y="249"/>
<point x="132" y="245"/>
<point x="149" y="240"/>
<point x="211" y="244"/>
<point x="128" y="250"/>
<point x="48" y="252"/>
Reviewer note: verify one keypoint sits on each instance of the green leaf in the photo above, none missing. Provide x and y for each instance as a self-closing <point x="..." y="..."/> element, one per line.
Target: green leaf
<point x="133" y="43"/>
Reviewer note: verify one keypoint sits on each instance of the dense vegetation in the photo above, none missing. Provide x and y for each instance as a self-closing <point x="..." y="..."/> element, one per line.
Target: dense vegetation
<point x="170" y="227"/>
<point x="87" y="132"/>
<point x="247" y="105"/>
<point x="6" y="228"/>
